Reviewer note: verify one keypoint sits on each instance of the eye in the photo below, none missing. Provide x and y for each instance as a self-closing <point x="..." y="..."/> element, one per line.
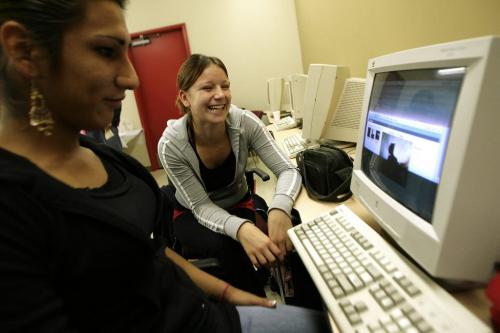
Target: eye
<point x="206" y="88"/>
<point x="105" y="51"/>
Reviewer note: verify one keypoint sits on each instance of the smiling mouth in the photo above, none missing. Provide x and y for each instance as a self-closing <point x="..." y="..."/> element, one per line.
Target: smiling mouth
<point x="217" y="107"/>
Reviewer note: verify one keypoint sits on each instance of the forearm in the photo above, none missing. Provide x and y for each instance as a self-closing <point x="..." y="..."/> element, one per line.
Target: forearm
<point x="289" y="183"/>
<point x="215" y="287"/>
<point x="211" y="285"/>
<point x="191" y="194"/>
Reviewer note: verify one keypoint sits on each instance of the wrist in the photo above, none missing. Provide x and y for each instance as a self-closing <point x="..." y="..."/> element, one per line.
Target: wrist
<point x="278" y="211"/>
<point x="223" y="295"/>
<point x="243" y="226"/>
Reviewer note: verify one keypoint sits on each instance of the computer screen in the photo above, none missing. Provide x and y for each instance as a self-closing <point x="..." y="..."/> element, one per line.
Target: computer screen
<point x="425" y="165"/>
<point x="406" y="134"/>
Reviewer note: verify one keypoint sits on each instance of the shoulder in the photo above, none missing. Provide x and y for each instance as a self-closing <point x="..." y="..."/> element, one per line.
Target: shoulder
<point x="24" y="211"/>
<point x="175" y="134"/>
<point x="176" y="128"/>
<point x="243" y="118"/>
<point x="17" y="172"/>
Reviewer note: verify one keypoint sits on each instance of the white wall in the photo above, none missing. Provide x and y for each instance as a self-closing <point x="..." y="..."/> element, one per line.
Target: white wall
<point x="256" y="39"/>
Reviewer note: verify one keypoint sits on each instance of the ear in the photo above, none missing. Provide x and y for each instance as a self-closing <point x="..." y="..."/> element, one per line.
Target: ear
<point x="183" y="96"/>
<point x="18" y="48"/>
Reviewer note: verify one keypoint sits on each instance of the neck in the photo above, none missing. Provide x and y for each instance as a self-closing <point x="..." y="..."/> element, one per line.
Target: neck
<point x="209" y="134"/>
<point x="19" y="137"/>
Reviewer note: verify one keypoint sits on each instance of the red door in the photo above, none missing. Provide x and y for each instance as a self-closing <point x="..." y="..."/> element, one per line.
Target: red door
<point x="157" y="55"/>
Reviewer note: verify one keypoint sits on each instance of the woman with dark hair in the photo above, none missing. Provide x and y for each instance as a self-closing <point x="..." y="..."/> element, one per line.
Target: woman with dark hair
<point x="205" y="154"/>
<point x="77" y="248"/>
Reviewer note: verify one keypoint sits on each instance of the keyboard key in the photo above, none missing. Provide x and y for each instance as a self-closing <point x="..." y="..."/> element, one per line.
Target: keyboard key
<point x="373" y="270"/>
<point x="360" y="307"/>
<point x="344" y="283"/>
<point x="354" y="318"/>
<point x="294" y="144"/>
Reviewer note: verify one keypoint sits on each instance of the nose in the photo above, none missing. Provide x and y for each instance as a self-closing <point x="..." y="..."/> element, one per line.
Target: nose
<point x="127" y="78"/>
<point x="219" y="92"/>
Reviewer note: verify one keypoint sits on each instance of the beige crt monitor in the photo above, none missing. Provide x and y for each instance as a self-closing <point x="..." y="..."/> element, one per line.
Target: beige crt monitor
<point x="323" y="89"/>
<point x="274" y="92"/>
<point x="286" y="97"/>
<point x="427" y="165"/>
<point x="297" y="89"/>
<point x="343" y="124"/>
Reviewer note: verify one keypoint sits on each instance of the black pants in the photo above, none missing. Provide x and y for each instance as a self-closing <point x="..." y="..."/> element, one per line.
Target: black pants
<point x="199" y="241"/>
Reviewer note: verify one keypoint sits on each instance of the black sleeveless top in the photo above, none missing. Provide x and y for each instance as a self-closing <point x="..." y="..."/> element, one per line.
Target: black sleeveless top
<point x="218" y="177"/>
<point x="221" y="175"/>
<point x="121" y="190"/>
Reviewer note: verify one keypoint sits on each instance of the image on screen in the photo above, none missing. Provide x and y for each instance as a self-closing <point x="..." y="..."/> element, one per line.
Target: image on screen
<point x="406" y="134"/>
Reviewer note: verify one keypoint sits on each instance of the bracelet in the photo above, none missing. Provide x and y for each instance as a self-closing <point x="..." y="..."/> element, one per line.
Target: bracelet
<point x="223" y="294"/>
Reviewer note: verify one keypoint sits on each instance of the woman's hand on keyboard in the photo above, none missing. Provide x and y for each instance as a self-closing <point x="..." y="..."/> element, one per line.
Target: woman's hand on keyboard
<point x="278" y="222"/>
<point x="261" y="250"/>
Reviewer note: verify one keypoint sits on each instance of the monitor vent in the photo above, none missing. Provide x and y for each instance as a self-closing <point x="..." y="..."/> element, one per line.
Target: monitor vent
<point x="349" y="108"/>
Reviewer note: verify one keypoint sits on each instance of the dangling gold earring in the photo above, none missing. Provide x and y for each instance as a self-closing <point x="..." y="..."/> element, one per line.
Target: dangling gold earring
<point x="40" y="116"/>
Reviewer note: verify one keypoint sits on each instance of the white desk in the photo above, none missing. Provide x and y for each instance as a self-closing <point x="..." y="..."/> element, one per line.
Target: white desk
<point x="475" y="299"/>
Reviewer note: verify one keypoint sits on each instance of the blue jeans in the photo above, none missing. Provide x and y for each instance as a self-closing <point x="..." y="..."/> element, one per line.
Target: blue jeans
<point x="285" y="318"/>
